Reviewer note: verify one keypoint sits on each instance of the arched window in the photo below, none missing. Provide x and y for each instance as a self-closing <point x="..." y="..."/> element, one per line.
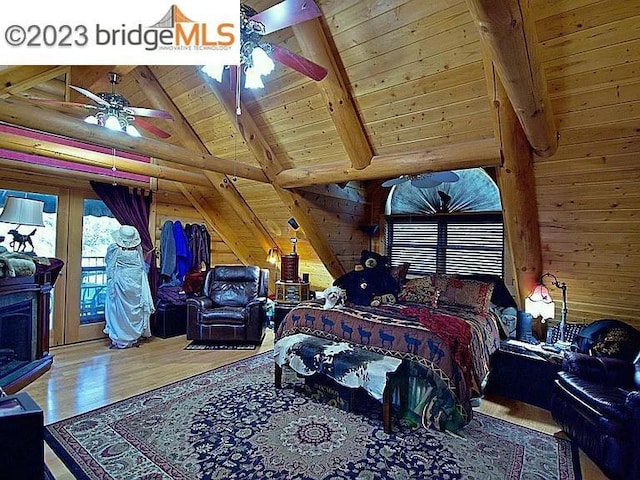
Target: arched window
<point x="453" y="228"/>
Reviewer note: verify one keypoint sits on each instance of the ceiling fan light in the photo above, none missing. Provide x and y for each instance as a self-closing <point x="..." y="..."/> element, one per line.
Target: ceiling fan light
<point x="253" y="79"/>
<point x="132" y="130"/>
<point x="214" y="71"/>
<point x="92" y="119"/>
<point x="113" y="123"/>
<point x="261" y="61"/>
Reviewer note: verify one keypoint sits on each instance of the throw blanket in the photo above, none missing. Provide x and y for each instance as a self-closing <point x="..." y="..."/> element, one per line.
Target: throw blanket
<point x="339" y="361"/>
<point x="449" y="368"/>
<point x="16" y="265"/>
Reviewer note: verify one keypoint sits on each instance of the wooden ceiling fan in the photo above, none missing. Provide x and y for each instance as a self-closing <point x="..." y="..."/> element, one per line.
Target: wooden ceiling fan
<point x="114" y="111"/>
<point x="255" y="52"/>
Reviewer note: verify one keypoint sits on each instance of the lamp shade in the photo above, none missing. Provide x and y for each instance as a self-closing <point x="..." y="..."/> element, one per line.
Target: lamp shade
<point x="539" y="303"/>
<point x="23" y="211"/>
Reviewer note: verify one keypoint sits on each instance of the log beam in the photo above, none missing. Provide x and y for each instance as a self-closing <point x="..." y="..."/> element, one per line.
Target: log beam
<point x="15" y="80"/>
<point x="41" y="118"/>
<point x="315" y="46"/>
<point x="508" y="34"/>
<point x="480" y="153"/>
<point x="298" y="206"/>
<point x="159" y="99"/>
<point x="517" y="184"/>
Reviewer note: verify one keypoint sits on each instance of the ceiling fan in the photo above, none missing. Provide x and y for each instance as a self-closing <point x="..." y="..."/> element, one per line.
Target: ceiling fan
<point x="424" y="180"/>
<point x="256" y="55"/>
<point x="114" y="111"/>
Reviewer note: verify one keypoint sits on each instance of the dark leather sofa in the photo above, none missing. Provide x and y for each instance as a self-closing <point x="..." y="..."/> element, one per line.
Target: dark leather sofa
<point x="232" y="305"/>
<point x="596" y="401"/>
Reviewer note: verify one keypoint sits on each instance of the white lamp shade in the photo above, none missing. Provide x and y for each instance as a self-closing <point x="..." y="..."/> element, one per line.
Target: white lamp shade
<point x="214" y="71"/>
<point x="540" y="304"/>
<point x="112" y="123"/>
<point x="23" y="211"/>
<point x="132" y="130"/>
<point x="261" y="61"/>
<point x="252" y="79"/>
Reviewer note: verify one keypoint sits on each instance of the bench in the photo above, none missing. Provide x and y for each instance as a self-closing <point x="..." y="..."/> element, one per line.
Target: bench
<point x="344" y="363"/>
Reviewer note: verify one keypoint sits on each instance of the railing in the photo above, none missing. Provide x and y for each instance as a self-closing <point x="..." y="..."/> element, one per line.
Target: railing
<point x="93" y="289"/>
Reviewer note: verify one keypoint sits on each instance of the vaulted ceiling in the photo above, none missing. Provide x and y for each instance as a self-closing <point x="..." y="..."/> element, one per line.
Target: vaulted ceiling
<point x="412" y="86"/>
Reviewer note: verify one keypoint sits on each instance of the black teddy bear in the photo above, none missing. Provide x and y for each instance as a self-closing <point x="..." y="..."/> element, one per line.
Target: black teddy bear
<point x="371" y="284"/>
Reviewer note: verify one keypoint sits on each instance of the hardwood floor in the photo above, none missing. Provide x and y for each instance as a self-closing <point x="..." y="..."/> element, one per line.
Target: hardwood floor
<point x="90" y="375"/>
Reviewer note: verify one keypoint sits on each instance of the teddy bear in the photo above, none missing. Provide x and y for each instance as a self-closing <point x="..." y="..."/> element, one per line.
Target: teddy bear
<point x="371" y="282"/>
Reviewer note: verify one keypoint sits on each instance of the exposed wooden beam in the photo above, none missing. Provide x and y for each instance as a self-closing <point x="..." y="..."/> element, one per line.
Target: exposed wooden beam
<point x="217" y="223"/>
<point x="96" y="77"/>
<point x="480" y="153"/>
<point x="81" y="156"/>
<point x="41" y="118"/>
<point x="18" y="79"/>
<point x="265" y="155"/>
<point x="508" y="33"/>
<point x="315" y="46"/>
<point x="517" y="184"/>
<point x="182" y="129"/>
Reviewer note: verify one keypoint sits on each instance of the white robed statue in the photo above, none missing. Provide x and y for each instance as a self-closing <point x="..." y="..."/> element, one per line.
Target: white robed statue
<point x="129" y="303"/>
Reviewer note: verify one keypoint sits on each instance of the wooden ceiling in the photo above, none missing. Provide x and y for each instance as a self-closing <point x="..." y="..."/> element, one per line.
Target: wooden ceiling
<point x="407" y="92"/>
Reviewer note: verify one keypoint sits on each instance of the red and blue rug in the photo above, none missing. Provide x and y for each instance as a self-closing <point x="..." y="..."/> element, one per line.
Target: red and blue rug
<point x="231" y="423"/>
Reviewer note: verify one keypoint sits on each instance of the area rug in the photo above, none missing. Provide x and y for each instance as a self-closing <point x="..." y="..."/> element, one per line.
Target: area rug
<point x="204" y="345"/>
<point x="231" y="423"/>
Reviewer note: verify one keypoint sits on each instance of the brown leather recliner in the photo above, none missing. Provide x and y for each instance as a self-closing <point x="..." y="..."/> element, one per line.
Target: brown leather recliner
<point x="232" y="305"/>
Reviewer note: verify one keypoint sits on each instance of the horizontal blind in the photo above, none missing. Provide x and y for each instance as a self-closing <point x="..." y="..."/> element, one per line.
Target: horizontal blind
<point x="464" y="245"/>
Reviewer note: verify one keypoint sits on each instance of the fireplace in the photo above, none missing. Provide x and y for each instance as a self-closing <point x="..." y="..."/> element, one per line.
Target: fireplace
<point x="24" y="330"/>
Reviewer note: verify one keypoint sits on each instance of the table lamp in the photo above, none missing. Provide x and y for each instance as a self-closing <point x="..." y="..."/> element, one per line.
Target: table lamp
<point x="22" y="211"/>
<point x="540" y="304"/>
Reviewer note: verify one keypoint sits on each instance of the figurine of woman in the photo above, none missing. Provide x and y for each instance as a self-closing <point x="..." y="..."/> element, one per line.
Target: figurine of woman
<point x="128" y="304"/>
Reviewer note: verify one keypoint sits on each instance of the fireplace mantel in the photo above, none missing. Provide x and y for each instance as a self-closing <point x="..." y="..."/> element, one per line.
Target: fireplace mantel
<point x="37" y="287"/>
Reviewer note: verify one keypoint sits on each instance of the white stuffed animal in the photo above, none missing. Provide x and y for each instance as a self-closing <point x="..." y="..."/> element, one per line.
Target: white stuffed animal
<point x="333" y="296"/>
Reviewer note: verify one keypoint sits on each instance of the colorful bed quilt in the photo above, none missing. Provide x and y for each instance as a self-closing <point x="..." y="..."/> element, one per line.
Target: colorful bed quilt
<point x="450" y="347"/>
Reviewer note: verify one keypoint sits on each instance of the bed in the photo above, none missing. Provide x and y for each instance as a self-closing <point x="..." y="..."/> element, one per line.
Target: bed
<point x="447" y="347"/>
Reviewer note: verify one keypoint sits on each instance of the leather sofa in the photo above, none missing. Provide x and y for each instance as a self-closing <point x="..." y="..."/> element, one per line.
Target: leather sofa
<point x="596" y="401"/>
<point x="232" y="305"/>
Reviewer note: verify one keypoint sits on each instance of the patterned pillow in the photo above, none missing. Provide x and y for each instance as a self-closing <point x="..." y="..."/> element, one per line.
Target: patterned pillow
<point x="418" y="290"/>
<point x="464" y="293"/>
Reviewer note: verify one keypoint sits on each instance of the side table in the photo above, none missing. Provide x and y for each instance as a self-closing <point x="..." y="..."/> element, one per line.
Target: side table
<point x="523" y="374"/>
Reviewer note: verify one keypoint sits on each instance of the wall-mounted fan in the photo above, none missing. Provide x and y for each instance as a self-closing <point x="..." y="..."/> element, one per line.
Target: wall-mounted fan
<point x="423" y="180"/>
<point x="114" y="111"/>
<point x="256" y="55"/>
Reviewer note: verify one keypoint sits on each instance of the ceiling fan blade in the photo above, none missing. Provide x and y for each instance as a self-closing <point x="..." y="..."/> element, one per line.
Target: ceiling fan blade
<point x="449" y="177"/>
<point x="91" y="95"/>
<point x="424" y="182"/>
<point x="58" y="103"/>
<point x="149" y="127"/>
<point x="287" y="13"/>
<point x="298" y="63"/>
<point x="395" y="181"/>
<point x="149" y="112"/>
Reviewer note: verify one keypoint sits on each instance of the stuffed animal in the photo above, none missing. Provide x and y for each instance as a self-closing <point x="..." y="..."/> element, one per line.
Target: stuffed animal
<point x="372" y="284"/>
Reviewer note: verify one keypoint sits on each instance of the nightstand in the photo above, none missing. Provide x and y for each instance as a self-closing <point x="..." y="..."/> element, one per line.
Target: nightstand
<point x="524" y="374"/>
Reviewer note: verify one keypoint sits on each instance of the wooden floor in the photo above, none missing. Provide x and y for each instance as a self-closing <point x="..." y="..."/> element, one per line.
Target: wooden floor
<point x="90" y="375"/>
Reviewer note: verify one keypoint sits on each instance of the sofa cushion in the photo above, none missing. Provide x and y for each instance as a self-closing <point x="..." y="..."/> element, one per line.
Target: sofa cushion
<point x="464" y="293"/>
<point x="223" y="315"/>
<point x="608" y="401"/>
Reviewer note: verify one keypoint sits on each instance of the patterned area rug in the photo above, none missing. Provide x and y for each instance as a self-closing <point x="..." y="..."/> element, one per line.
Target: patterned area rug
<point x="204" y="345"/>
<point x="230" y="423"/>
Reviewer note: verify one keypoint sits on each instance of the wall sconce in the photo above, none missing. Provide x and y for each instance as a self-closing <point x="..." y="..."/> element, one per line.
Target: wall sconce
<point x="22" y="211"/>
<point x="540" y="304"/>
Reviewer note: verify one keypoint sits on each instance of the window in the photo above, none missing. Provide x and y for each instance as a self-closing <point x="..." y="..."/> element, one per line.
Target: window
<point x="468" y="239"/>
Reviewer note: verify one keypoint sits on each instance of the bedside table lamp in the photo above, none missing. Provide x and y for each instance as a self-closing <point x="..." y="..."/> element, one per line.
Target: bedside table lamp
<point x="540" y="304"/>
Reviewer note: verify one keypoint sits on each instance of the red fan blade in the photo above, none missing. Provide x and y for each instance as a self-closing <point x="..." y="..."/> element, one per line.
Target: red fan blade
<point x="92" y="96"/>
<point x="298" y="63"/>
<point x="149" y="112"/>
<point x="287" y="13"/>
<point x="149" y="127"/>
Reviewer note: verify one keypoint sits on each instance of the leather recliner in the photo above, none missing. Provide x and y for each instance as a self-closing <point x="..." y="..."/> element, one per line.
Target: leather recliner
<point x="232" y="305"/>
<point x="596" y="401"/>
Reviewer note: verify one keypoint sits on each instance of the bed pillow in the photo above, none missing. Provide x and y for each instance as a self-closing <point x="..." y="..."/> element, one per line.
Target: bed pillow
<point x="418" y="290"/>
<point x="458" y="292"/>
<point x="399" y="272"/>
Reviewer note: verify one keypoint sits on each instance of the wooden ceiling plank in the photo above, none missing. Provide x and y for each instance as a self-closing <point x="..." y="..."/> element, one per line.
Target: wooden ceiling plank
<point x="271" y="165"/>
<point x="481" y="153"/>
<point x="333" y="87"/>
<point x="19" y="79"/>
<point x="40" y="118"/>
<point x="224" y="185"/>
<point x="509" y="35"/>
